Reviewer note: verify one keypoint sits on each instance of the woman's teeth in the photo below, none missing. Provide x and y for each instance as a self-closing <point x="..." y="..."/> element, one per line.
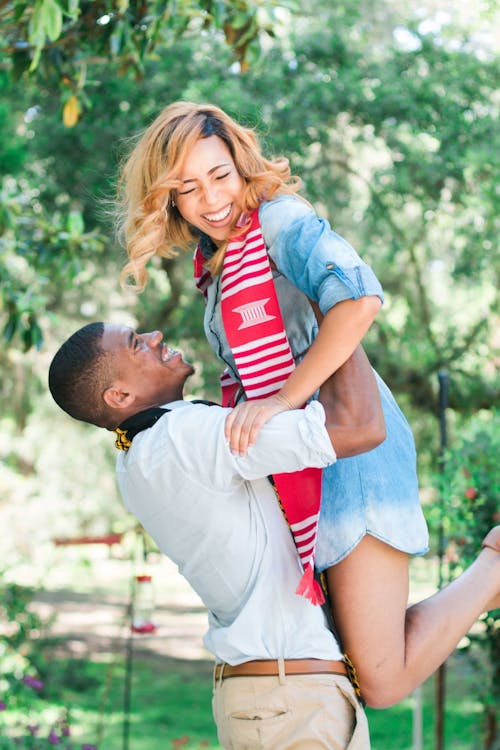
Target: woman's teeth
<point x="219" y="216"/>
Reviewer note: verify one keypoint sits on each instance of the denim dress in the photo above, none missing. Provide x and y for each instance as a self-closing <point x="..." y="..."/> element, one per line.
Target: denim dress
<point x="376" y="492"/>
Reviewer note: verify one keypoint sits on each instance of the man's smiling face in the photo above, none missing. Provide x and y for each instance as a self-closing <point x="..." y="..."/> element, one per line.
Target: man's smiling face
<point x="143" y="365"/>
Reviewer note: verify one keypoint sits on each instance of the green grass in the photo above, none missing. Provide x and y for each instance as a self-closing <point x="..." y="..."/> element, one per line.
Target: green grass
<point x="170" y="699"/>
<point x="170" y="706"/>
<point x="392" y="729"/>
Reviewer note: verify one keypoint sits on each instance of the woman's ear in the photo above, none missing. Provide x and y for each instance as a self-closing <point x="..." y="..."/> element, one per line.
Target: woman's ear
<point x="117" y="398"/>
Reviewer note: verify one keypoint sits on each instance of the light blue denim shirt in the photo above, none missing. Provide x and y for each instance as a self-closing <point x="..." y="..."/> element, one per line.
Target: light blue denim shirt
<point x="306" y="250"/>
<point x="376" y="492"/>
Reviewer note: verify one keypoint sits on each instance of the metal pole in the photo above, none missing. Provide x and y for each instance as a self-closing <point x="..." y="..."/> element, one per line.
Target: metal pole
<point x="129" y="647"/>
<point x="127" y="690"/>
<point x="129" y="653"/>
<point x="417" y="719"/>
<point x="441" y="672"/>
<point x="443" y="403"/>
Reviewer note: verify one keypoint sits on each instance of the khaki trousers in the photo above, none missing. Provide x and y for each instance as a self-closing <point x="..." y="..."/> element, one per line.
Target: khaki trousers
<point x="296" y="712"/>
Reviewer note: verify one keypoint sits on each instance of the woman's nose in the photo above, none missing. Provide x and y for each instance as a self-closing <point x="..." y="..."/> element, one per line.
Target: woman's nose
<point x="211" y="194"/>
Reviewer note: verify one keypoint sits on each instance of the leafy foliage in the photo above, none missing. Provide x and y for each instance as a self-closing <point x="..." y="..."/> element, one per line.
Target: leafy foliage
<point x="392" y="127"/>
<point x="395" y="141"/>
<point x="470" y="492"/>
<point x="59" y="39"/>
<point x="40" y="253"/>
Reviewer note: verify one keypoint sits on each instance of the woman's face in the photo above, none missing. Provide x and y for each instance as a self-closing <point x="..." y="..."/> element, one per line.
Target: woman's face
<point x="210" y="198"/>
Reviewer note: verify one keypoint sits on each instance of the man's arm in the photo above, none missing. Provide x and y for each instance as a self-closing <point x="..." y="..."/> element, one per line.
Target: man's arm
<point x="354" y="417"/>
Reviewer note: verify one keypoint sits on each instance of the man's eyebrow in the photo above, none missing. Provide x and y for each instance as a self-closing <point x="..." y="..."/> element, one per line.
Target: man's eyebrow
<point x="210" y="171"/>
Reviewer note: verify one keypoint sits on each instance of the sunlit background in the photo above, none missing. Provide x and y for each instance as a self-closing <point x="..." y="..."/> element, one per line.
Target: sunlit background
<point x="387" y="110"/>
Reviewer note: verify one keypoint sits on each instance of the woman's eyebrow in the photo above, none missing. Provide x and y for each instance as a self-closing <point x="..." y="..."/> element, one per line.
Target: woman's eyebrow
<point x="210" y="171"/>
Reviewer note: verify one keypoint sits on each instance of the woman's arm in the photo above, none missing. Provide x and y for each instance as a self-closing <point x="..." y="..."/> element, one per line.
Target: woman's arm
<point x="328" y="270"/>
<point x="340" y="333"/>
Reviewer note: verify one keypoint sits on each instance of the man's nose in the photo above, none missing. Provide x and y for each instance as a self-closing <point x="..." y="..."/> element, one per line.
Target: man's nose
<point x="153" y="338"/>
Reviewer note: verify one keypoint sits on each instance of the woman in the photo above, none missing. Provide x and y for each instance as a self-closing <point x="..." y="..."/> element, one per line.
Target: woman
<point x="197" y="176"/>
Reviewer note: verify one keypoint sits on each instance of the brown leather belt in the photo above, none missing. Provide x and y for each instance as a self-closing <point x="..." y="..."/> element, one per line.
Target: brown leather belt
<point x="270" y="667"/>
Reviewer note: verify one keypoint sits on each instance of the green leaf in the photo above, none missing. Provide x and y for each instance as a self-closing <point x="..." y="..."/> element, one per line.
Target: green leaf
<point x="10" y="327"/>
<point x="240" y="20"/>
<point x="36" y="58"/>
<point x="116" y="40"/>
<point x="46" y="22"/>
<point x="73" y="9"/>
<point x="36" y="31"/>
<point x="52" y="19"/>
<point x="75" y="223"/>
<point x="36" y="335"/>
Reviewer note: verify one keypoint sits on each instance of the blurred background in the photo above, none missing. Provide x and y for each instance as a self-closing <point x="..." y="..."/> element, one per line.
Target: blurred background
<point x="389" y="113"/>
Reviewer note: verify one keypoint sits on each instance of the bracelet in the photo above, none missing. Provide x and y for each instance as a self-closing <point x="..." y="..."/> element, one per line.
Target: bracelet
<point x="285" y="400"/>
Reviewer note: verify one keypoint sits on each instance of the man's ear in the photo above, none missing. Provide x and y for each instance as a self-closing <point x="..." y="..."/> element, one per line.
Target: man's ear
<point x="117" y="398"/>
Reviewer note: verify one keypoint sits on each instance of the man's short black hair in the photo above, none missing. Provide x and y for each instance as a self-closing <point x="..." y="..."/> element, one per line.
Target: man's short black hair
<point x="79" y="374"/>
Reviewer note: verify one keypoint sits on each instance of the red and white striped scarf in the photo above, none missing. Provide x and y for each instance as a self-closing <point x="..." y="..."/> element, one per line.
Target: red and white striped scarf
<point x="256" y="334"/>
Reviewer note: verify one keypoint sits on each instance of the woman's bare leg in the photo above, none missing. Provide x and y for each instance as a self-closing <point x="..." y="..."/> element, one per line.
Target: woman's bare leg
<point x="395" y="648"/>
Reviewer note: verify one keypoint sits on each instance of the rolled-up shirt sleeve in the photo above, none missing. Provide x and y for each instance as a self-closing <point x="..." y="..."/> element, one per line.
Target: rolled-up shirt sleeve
<point x="313" y="257"/>
<point x="290" y="441"/>
<point x="190" y="442"/>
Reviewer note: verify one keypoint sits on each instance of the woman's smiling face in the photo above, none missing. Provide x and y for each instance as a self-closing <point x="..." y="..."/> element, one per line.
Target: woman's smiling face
<point x="211" y="195"/>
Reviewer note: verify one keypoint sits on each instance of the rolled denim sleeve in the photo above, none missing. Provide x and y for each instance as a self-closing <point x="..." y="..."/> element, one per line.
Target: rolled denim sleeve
<point x="312" y="256"/>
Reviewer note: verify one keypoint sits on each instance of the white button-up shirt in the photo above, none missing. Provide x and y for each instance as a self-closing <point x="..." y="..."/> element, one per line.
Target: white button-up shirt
<point x="216" y="516"/>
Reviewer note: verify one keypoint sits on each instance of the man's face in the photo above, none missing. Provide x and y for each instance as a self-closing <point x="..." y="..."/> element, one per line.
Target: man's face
<point x="145" y="366"/>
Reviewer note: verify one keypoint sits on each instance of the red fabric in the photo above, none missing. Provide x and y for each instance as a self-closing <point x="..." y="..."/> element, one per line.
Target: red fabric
<point x="256" y="334"/>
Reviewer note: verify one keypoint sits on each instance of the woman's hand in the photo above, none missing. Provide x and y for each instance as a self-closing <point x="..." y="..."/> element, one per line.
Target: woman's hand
<point x="243" y="424"/>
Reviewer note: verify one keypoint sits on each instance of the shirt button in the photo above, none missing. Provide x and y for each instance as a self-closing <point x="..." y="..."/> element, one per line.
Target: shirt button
<point x="330" y="266"/>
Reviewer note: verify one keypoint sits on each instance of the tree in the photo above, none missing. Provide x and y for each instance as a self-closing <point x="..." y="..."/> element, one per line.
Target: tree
<point x="403" y="172"/>
<point x="470" y="491"/>
<point x="61" y="50"/>
<point x="395" y="137"/>
<point x="59" y="39"/>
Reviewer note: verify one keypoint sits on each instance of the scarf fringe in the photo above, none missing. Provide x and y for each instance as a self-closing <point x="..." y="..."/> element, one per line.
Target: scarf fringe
<point x="309" y="587"/>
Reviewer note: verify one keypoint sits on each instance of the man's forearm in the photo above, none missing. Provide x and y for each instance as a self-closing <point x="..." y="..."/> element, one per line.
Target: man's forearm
<point x="354" y="417"/>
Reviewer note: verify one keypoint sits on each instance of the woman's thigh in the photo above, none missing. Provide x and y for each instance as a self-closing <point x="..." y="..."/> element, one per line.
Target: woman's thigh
<point x="369" y="592"/>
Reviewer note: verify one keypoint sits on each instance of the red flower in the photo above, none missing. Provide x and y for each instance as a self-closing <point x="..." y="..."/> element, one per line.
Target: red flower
<point x="470" y="493"/>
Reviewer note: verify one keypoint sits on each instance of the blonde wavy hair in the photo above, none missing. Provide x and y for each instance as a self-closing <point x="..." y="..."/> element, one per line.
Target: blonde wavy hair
<point x="148" y="222"/>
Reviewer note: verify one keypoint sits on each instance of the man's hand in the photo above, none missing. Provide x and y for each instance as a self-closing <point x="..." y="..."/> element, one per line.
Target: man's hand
<point x="243" y="424"/>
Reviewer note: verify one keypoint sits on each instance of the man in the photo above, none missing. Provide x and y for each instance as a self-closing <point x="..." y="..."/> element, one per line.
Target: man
<point x="280" y="681"/>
